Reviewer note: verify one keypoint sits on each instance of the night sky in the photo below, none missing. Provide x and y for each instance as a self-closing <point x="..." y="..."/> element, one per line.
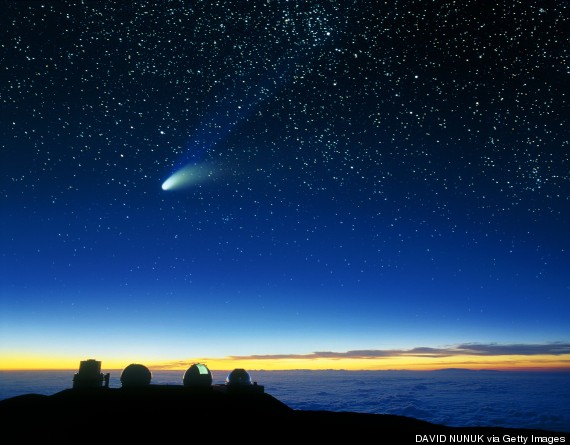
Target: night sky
<point x="350" y="182"/>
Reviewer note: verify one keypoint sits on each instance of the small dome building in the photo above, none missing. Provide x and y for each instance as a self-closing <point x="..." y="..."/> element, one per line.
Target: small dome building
<point x="238" y="377"/>
<point x="197" y="376"/>
<point x="239" y="381"/>
<point x="135" y="375"/>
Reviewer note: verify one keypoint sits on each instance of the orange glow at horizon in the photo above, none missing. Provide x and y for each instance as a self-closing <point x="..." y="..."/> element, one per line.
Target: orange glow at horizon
<point x="505" y="362"/>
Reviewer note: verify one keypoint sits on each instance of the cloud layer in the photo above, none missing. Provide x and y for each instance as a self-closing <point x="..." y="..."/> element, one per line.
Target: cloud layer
<point x="476" y="350"/>
<point x="473" y="349"/>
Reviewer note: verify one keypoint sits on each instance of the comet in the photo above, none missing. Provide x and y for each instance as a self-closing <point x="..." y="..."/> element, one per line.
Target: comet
<point x="190" y="175"/>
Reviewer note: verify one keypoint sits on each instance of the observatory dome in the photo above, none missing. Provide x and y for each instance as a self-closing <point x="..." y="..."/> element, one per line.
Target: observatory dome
<point x="135" y="375"/>
<point x="197" y="375"/>
<point x="239" y="377"/>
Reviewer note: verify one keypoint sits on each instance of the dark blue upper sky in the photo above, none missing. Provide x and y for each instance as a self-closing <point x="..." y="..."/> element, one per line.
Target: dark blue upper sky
<point x="366" y="175"/>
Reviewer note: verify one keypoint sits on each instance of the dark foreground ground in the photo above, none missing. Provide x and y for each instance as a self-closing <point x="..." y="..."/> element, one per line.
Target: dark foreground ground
<point x="157" y="413"/>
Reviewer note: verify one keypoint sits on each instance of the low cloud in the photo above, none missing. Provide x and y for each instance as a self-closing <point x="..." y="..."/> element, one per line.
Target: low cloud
<point x="516" y="349"/>
<point x="473" y="349"/>
<point x="465" y="349"/>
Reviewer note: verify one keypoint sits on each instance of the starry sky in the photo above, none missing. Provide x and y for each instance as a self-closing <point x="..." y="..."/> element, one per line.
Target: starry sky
<point x="285" y="184"/>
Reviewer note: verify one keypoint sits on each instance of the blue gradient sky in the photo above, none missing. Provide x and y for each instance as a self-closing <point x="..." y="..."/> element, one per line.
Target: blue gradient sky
<point x="386" y="177"/>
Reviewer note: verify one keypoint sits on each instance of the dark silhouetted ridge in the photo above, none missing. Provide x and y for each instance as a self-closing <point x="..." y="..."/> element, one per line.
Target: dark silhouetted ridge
<point x="219" y="412"/>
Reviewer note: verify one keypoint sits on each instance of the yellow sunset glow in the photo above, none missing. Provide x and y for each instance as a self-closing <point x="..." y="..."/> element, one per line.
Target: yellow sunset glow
<point x="499" y="362"/>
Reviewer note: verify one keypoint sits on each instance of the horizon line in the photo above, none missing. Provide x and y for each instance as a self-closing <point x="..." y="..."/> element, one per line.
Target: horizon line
<point x="160" y="369"/>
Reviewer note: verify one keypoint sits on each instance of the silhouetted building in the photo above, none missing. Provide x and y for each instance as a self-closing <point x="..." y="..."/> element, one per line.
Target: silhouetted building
<point x="135" y="375"/>
<point x="89" y="375"/>
<point x="198" y="376"/>
<point x="238" y="377"/>
<point x="239" y="381"/>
